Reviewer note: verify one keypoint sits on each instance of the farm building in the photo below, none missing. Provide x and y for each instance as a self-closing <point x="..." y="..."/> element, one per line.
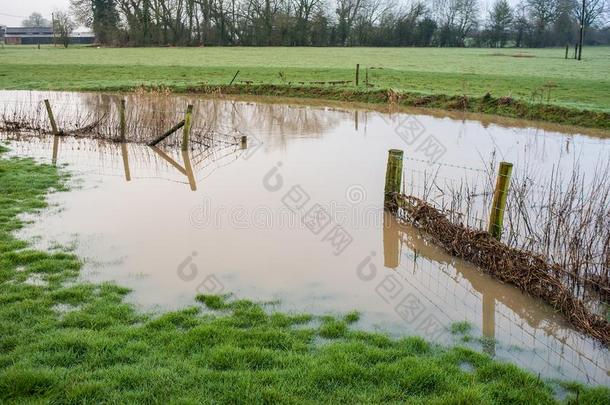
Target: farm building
<point x="39" y="35"/>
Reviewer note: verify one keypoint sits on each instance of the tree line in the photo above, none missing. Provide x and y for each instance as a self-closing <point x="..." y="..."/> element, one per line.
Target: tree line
<point x="443" y="23"/>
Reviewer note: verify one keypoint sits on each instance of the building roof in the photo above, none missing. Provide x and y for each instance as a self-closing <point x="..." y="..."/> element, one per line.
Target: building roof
<point x="29" y="31"/>
<point x="38" y="32"/>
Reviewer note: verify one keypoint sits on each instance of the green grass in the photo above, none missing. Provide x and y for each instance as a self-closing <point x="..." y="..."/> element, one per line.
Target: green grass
<point x="474" y="72"/>
<point x="74" y="342"/>
<point x="461" y="328"/>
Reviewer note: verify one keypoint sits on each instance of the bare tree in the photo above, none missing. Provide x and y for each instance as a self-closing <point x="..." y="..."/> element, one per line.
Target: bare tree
<point x="36" y="20"/>
<point x="63" y="27"/>
<point x="337" y="22"/>
<point x="596" y="12"/>
<point x="347" y="10"/>
<point x="304" y="12"/>
<point x="521" y="23"/>
<point x="542" y="14"/>
<point x="467" y="18"/>
<point x="456" y="20"/>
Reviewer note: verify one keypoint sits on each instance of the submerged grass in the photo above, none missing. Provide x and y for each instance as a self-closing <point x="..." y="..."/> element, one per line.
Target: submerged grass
<point x="64" y="341"/>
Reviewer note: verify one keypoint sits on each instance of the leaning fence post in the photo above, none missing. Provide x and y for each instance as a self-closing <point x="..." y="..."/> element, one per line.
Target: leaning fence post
<point x="123" y="120"/>
<point x="496" y="217"/>
<point x="186" y="130"/>
<point x="166" y="134"/>
<point x="357" y="73"/>
<point x="51" y="117"/>
<point x="188" y="169"/>
<point x="393" y="174"/>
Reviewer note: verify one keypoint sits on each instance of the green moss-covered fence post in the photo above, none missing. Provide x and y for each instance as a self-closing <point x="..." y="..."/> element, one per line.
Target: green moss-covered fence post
<point x="496" y="217"/>
<point x="393" y="175"/>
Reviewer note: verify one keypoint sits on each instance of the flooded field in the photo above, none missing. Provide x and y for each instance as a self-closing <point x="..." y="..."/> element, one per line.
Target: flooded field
<point x="267" y="223"/>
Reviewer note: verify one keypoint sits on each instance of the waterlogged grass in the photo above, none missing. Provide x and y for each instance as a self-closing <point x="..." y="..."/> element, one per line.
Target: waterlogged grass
<point x="63" y="341"/>
<point x="461" y="328"/>
<point x="472" y="72"/>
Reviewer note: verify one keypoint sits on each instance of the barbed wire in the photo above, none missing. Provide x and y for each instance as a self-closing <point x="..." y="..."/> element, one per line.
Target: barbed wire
<point x="455" y="166"/>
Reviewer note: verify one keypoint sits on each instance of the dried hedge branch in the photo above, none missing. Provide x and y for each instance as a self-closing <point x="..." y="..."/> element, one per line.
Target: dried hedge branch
<point x="529" y="272"/>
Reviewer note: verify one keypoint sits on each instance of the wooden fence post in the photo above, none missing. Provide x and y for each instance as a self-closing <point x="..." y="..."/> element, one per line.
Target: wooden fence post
<point x="123" y="120"/>
<point x="166" y="134"/>
<point x="186" y="130"/>
<point x="393" y="174"/>
<point x="51" y="117"/>
<point x="496" y="217"/>
<point x="357" y="73"/>
<point x="244" y="142"/>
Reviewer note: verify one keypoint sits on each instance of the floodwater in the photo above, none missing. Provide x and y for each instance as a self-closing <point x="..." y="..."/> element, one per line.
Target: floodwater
<point x="297" y="217"/>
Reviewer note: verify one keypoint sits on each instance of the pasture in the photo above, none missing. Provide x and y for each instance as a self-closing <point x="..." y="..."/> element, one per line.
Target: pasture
<point x="531" y="75"/>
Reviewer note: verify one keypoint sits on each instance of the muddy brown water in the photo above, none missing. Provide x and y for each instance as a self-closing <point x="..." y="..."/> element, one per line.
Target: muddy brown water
<point x="297" y="218"/>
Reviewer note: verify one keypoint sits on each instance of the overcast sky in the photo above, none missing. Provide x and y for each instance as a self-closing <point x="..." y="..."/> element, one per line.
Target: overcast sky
<point x="12" y="12"/>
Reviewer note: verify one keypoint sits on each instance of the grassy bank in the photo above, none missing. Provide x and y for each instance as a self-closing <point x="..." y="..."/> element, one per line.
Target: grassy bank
<point x="543" y="85"/>
<point x="64" y="341"/>
<point x="487" y="104"/>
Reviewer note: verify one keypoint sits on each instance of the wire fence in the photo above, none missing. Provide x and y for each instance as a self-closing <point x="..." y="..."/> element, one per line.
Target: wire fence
<point x="565" y="218"/>
<point x="132" y="161"/>
<point x="101" y="118"/>
<point x="458" y="291"/>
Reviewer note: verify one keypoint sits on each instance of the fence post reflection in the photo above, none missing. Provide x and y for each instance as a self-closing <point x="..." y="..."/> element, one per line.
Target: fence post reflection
<point x="189" y="170"/>
<point x="489" y="322"/>
<point x="391" y="242"/>
<point x="125" y="161"/>
<point x="55" y="150"/>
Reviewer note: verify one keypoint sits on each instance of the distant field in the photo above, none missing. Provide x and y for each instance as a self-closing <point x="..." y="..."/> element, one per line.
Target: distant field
<point x="580" y="85"/>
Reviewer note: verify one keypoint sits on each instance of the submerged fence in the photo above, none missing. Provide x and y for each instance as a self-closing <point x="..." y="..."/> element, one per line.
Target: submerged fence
<point x="459" y="292"/>
<point x="131" y="161"/>
<point x="558" y="251"/>
<point x="152" y="123"/>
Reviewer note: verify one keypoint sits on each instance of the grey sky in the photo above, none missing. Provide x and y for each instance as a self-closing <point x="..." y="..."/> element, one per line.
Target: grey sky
<point x="12" y="12"/>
